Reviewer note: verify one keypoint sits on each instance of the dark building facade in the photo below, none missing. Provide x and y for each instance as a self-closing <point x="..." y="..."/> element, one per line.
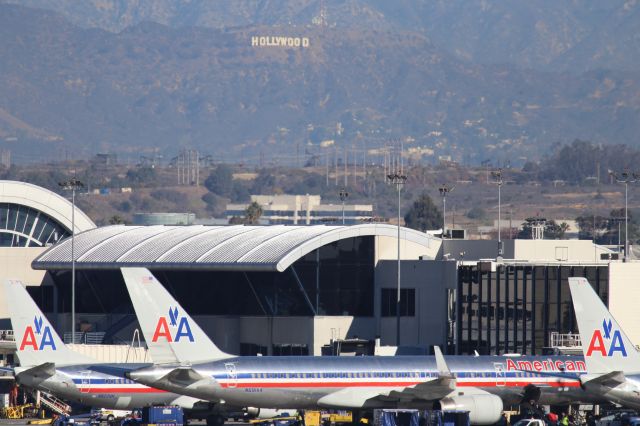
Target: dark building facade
<point x="514" y="308"/>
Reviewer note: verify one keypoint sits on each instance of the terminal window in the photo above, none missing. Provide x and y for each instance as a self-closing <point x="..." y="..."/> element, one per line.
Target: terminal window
<point x="388" y="302"/>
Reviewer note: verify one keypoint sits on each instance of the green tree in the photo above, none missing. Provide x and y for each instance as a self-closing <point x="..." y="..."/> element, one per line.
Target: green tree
<point x="142" y="176"/>
<point x="423" y="214"/>
<point x="220" y="181"/>
<point x="252" y="213"/>
<point x="116" y="220"/>
<point x="591" y="226"/>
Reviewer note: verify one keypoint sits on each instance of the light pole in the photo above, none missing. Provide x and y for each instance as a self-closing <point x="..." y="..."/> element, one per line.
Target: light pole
<point x="444" y="190"/>
<point x="398" y="180"/>
<point x="497" y="179"/>
<point x="73" y="184"/>
<point x="343" y="196"/>
<point x="626" y="178"/>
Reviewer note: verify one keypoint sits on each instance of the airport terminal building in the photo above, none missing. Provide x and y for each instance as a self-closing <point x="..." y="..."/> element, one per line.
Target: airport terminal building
<point x="286" y="290"/>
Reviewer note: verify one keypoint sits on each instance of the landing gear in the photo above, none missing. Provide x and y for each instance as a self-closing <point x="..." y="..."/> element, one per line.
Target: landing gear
<point x="215" y="420"/>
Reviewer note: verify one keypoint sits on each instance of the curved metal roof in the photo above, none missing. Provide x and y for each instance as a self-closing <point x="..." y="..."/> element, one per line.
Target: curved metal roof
<point x="45" y="201"/>
<point x="236" y="247"/>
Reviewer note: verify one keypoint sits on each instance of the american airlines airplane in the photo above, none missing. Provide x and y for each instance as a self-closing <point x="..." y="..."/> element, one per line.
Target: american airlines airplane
<point x="613" y="364"/>
<point x="482" y="385"/>
<point x="47" y="364"/>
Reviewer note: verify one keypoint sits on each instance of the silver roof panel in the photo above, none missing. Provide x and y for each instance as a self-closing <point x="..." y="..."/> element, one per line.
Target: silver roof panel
<point x="238" y="247"/>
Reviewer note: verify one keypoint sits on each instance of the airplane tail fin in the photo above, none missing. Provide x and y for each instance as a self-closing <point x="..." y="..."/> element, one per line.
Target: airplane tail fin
<point x="37" y="342"/>
<point x="171" y="334"/>
<point x="605" y="346"/>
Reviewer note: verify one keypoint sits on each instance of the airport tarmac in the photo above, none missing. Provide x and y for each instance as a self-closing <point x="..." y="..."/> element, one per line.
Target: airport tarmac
<point x="192" y="422"/>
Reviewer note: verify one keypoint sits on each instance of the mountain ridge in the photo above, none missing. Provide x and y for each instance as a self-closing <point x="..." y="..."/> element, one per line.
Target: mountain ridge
<point x="154" y="87"/>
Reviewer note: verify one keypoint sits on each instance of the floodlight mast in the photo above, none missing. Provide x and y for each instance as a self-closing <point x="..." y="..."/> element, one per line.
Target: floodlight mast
<point x="72" y="184"/>
<point x="626" y="178"/>
<point x="497" y="180"/>
<point x="398" y="180"/>
<point x="444" y="190"/>
<point x="343" y="196"/>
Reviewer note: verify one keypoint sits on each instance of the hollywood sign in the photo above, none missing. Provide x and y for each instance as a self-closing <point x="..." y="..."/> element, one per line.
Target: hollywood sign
<point x="279" y="41"/>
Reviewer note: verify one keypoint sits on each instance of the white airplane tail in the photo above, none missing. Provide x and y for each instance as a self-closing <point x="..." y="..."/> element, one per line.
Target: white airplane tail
<point x="37" y="342"/>
<point x="171" y="334"/>
<point x="605" y="346"/>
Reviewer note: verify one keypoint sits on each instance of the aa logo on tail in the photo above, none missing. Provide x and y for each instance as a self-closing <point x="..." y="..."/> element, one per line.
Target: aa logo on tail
<point x="181" y="327"/>
<point x="44" y="339"/>
<point x="606" y="342"/>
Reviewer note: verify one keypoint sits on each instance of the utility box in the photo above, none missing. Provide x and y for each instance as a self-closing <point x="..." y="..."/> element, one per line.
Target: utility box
<point x="168" y="415"/>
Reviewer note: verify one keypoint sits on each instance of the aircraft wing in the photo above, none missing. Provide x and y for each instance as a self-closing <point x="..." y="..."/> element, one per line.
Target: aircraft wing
<point x="37" y="374"/>
<point x="434" y="389"/>
<point x="610" y="380"/>
<point x="180" y="379"/>
<point x="431" y="390"/>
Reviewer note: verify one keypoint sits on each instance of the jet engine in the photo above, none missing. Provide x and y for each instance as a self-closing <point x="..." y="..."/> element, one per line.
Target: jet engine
<point x="483" y="409"/>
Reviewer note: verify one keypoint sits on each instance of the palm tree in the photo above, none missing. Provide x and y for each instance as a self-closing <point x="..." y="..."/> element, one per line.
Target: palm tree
<point x="253" y="213"/>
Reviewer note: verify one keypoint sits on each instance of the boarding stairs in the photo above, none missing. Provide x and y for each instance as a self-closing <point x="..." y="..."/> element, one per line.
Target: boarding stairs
<point x="54" y="404"/>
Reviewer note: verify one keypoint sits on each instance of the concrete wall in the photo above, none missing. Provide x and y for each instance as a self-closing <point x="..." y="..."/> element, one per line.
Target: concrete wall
<point x="563" y="250"/>
<point x="387" y="249"/>
<point x="431" y="279"/>
<point x="624" y="296"/>
<point x="113" y="353"/>
<point x="15" y="264"/>
<point x="229" y="332"/>
<point x="341" y="327"/>
<point x="527" y="250"/>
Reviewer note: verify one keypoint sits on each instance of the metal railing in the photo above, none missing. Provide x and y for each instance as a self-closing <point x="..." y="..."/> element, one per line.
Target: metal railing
<point x="54" y="404"/>
<point x="7" y="335"/>
<point x="568" y="340"/>
<point x="87" y="338"/>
